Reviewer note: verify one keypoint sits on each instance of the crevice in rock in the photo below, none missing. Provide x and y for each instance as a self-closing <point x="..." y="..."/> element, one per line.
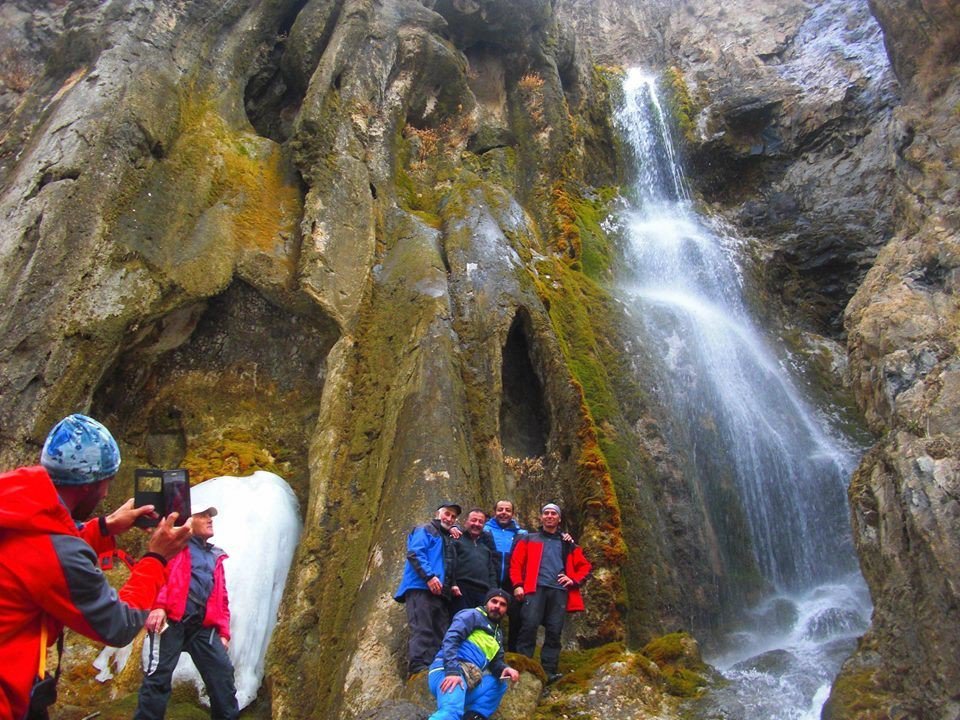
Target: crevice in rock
<point x="931" y="275"/>
<point x="524" y="421"/>
<point x="272" y="98"/>
<point x="56" y="176"/>
<point x="569" y="75"/>
<point x="224" y="386"/>
<point x="52" y="176"/>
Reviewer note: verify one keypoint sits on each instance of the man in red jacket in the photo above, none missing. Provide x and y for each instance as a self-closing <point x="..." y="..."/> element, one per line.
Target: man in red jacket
<point x="191" y="615"/>
<point x="49" y="574"/>
<point x="546" y="571"/>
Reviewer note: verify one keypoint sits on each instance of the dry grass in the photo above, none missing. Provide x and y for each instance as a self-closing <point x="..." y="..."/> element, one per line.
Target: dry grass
<point x="425" y="140"/>
<point x="531" y="88"/>
<point x="937" y="66"/>
<point x="530" y="83"/>
<point x="17" y="69"/>
<point x="433" y="143"/>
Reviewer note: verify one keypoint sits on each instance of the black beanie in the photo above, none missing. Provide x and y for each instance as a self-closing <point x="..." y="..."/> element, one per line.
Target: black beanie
<point x="494" y="592"/>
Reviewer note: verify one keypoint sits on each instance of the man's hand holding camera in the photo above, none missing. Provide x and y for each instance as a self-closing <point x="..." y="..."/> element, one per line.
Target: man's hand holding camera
<point x="166" y="539"/>
<point x="124" y="517"/>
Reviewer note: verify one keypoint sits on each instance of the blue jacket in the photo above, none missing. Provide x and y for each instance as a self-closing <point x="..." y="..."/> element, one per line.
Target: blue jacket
<point x="503" y="539"/>
<point x="475" y="638"/>
<point x="429" y="552"/>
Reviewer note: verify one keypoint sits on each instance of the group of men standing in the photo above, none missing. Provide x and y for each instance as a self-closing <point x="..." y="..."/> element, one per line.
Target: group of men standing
<point x="487" y="570"/>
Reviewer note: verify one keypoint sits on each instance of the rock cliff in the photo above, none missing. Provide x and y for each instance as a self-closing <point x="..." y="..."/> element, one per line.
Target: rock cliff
<point x="902" y="326"/>
<point x="358" y="243"/>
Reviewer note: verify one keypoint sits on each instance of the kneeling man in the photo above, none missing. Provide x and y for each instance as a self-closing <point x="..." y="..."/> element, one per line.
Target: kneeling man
<point x="468" y="675"/>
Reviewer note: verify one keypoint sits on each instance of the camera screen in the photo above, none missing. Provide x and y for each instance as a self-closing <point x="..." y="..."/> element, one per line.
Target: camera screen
<point x="150" y="483"/>
<point x="177" y="494"/>
<point x="148" y="490"/>
<point x="178" y="500"/>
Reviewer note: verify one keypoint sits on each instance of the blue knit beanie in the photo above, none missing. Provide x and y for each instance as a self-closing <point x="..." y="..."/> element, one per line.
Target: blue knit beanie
<point x="79" y="450"/>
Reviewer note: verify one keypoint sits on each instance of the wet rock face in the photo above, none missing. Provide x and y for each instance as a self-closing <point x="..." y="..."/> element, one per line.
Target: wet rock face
<point x="856" y="230"/>
<point x="921" y="39"/>
<point x="902" y="326"/>
<point x="129" y="197"/>
<point x="790" y="136"/>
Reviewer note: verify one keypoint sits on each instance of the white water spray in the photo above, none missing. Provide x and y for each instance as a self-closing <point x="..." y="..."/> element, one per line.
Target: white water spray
<point x="724" y="381"/>
<point x="742" y="422"/>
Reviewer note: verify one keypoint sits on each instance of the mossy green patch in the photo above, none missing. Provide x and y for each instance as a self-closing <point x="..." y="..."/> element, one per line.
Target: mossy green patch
<point x="215" y="191"/>
<point x="522" y="663"/>
<point x="589" y="327"/>
<point x="679" y="660"/>
<point x="236" y="452"/>
<point x="682" y="109"/>
<point x="857" y="695"/>
<point x="574" y="695"/>
<point x="249" y="175"/>
<point x="574" y="300"/>
<point x="578" y="668"/>
<point x="674" y="648"/>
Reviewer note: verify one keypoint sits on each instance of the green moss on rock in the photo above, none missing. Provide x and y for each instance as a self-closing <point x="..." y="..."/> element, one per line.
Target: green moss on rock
<point x="678" y="658"/>
<point x="682" y="109"/>
<point x="857" y="695"/>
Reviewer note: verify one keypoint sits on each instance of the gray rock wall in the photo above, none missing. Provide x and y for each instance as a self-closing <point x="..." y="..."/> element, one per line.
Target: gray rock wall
<point x="902" y="326"/>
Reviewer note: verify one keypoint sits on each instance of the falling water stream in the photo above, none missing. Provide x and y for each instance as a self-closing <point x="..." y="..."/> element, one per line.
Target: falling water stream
<point x="742" y="421"/>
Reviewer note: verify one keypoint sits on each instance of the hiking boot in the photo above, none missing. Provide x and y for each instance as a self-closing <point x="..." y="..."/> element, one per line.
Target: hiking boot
<point x="473" y="715"/>
<point x="553" y="677"/>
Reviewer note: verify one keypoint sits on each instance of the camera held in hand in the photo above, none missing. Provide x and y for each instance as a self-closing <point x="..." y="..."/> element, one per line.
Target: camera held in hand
<point x="167" y="490"/>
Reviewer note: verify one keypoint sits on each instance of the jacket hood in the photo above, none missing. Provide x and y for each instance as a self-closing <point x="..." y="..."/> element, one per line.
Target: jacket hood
<point x="31" y="503"/>
<point x="494" y="525"/>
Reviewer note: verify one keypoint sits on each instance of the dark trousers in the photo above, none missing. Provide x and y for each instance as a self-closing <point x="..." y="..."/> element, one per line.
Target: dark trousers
<point x="514" y="623"/>
<point x="208" y="654"/>
<point x="547" y="607"/>
<point x="471" y="597"/>
<point x="514" y="617"/>
<point x="428" y="616"/>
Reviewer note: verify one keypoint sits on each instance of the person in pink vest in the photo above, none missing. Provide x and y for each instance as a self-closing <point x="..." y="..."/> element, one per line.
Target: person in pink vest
<point x="191" y="614"/>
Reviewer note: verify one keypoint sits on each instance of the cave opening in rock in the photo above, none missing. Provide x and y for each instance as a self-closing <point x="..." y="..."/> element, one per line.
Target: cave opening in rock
<point x="225" y="386"/>
<point x="524" y="421"/>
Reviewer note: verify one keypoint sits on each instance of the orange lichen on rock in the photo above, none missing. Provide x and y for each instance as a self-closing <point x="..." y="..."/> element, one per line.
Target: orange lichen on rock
<point x="566" y="233"/>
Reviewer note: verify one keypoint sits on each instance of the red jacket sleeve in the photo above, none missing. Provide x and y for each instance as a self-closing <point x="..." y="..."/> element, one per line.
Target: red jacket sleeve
<point x="218" y="605"/>
<point x="146" y="579"/>
<point x="579" y="566"/>
<point x="80" y="597"/>
<point x="90" y="532"/>
<point x="518" y="561"/>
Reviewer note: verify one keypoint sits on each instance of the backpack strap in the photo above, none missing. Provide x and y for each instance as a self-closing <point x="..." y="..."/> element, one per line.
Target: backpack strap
<point x="42" y="665"/>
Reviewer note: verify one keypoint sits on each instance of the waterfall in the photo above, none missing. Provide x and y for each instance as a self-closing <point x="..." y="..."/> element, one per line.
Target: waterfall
<point x="740" y="420"/>
<point x="735" y="397"/>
